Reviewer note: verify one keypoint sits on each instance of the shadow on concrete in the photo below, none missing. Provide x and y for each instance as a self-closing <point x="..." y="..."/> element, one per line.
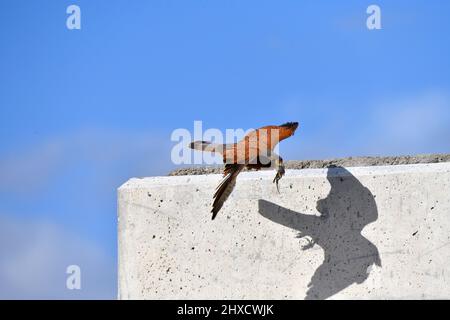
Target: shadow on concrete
<point x="346" y="210"/>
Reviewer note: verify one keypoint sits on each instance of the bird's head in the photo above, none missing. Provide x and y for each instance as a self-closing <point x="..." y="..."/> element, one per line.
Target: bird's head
<point x="288" y="129"/>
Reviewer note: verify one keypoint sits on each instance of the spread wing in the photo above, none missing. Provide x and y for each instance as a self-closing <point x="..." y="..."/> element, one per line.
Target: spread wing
<point x="226" y="186"/>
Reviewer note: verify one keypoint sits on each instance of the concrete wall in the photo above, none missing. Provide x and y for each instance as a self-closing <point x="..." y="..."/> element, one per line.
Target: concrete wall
<point x="363" y="232"/>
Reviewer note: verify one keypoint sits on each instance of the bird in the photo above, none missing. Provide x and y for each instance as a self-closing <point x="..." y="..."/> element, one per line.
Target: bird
<point x="255" y="151"/>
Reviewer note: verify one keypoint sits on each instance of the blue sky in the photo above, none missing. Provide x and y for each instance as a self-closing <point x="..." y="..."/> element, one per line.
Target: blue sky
<point x="82" y="111"/>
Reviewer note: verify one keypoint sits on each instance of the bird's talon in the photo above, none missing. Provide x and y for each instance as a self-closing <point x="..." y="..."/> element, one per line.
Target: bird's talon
<point x="277" y="178"/>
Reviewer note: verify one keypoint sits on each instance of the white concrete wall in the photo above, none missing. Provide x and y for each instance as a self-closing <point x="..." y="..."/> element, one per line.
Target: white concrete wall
<point x="384" y="233"/>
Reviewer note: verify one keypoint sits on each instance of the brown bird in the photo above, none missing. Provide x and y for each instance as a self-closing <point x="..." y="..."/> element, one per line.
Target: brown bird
<point x="255" y="151"/>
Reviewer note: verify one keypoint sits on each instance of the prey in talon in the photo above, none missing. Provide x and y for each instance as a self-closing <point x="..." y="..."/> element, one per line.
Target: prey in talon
<point x="254" y="152"/>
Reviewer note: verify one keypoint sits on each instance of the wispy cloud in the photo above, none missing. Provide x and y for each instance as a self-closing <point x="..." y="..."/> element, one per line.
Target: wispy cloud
<point x="35" y="167"/>
<point x="66" y="189"/>
<point x="34" y="256"/>
<point x="405" y="124"/>
<point x="30" y="168"/>
<point x="418" y="123"/>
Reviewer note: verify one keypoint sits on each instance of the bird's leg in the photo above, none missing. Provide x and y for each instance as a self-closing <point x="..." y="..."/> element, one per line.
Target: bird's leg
<point x="279" y="166"/>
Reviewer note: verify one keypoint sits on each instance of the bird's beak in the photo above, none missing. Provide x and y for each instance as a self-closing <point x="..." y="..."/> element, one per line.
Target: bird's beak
<point x="295" y="127"/>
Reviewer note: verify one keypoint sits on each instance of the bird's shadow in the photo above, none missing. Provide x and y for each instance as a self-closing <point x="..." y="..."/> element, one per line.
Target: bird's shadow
<point x="346" y="210"/>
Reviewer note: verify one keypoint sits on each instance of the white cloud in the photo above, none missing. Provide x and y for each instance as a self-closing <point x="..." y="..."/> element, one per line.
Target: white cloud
<point x="29" y="168"/>
<point x="34" y="253"/>
<point x="411" y="125"/>
<point x="408" y="124"/>
<point x="34" y="256"/>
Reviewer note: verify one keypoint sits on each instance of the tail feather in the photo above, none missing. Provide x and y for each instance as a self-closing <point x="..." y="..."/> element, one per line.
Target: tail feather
<point x="225" y="187"/>
<point x="206" y="146"/>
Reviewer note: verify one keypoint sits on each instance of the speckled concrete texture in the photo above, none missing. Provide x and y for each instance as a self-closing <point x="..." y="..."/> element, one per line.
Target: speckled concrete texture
<point x="361" y="233"/>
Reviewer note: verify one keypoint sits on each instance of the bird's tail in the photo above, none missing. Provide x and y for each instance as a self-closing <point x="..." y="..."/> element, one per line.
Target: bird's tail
<point x="207" y="146"/>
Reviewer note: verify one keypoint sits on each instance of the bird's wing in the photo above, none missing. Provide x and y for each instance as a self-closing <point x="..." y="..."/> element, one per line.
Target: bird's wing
<point x="226" y="186"/>
<point x="245" y="150"/>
